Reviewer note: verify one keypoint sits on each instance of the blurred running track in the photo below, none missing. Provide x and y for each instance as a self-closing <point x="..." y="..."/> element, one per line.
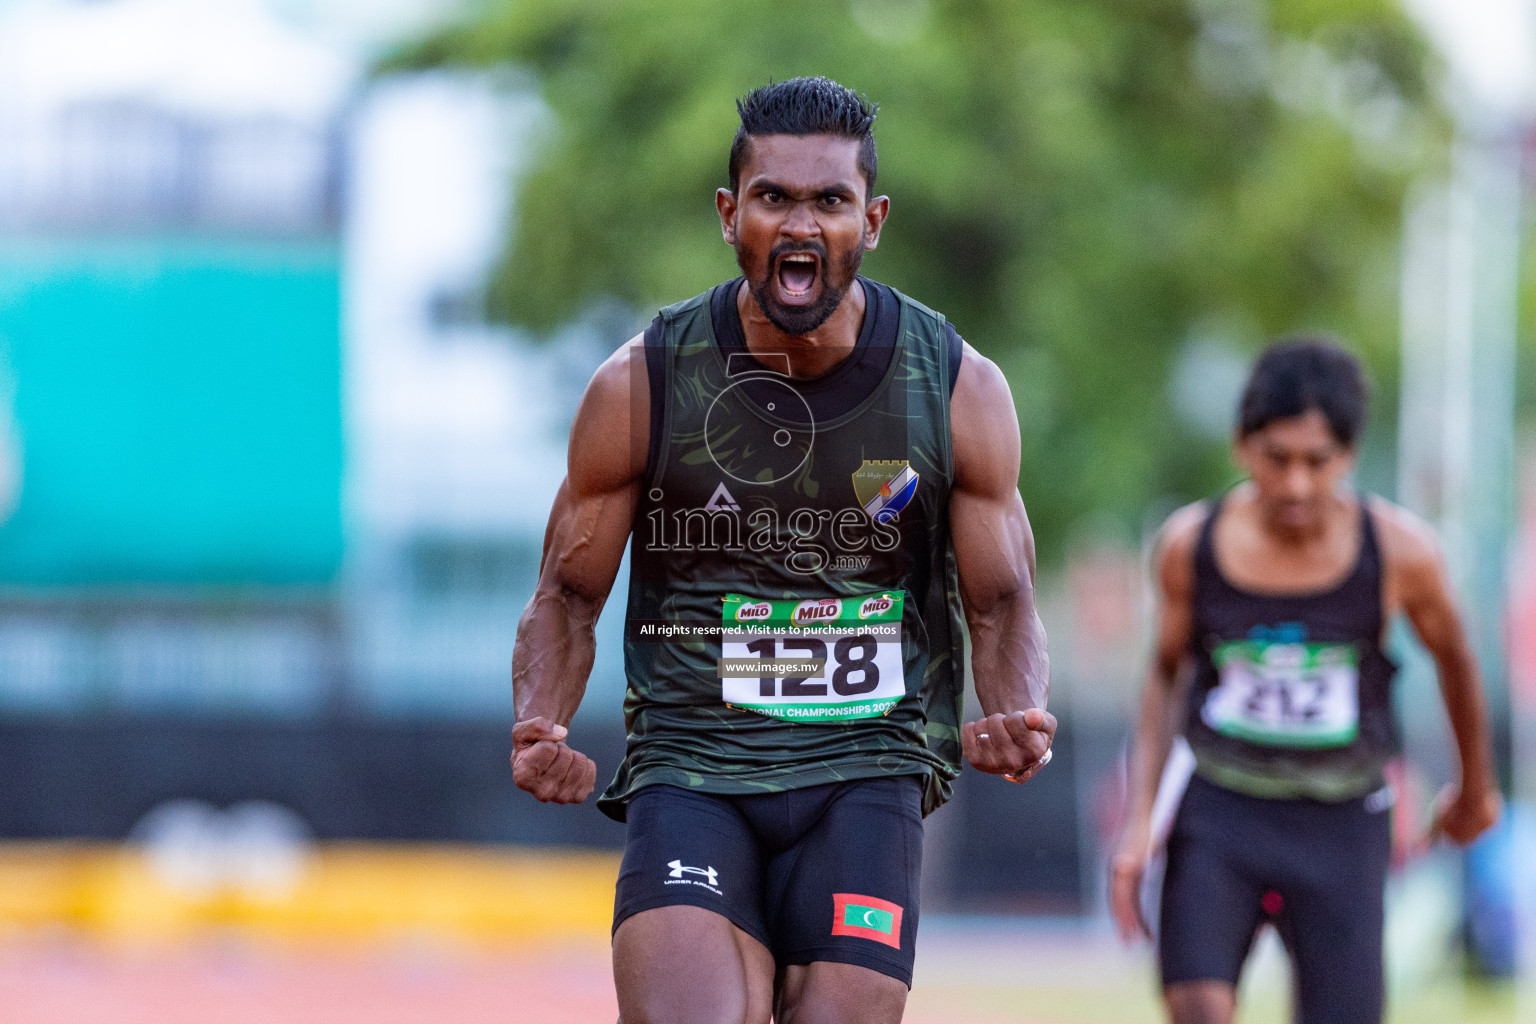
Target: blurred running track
<point x="976" y="972"/>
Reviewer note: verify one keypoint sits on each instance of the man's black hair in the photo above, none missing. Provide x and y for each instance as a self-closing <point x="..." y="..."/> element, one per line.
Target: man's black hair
<point x="806" y="106"/>
<point x="1296" y="375"/>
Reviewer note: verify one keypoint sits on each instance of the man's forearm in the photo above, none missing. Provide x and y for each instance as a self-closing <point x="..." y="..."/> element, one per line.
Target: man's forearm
<point x="553" y="654"/>
<point x="1149" y="753"/>
<point x="1009" y="663"/>
<point x="1467" y="710"/>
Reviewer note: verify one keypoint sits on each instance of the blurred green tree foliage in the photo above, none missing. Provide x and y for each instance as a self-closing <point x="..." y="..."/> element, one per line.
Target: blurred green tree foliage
<point x="1099" y="193"/>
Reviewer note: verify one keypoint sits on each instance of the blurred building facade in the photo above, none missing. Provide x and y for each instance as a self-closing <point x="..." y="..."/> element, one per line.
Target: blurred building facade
<point x="170" y="186"/>
<point x="456" y="427"/>
<point x="271" y="492"/>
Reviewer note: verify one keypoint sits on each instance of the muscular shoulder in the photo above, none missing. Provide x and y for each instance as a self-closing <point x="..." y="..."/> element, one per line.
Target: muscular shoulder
<point x="1173" y="559"/>
<point x="984" y="427"/>
<point x="614" y="380"/>
<point x="1410" y="551"/>
<point x="981" y="381"/>
<point x="612" y="425"/>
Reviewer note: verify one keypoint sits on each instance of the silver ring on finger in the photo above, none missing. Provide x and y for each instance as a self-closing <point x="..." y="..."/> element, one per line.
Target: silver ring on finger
<point x="1028" y="772"/>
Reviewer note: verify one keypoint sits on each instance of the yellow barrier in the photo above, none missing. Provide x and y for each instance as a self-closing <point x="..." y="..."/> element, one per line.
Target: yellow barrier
<point x="343" y="891"/>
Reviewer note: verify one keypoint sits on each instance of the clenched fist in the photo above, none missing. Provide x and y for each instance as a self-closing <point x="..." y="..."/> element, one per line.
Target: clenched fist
<point x="1461" y="815"/>
<point x="543" y="765"/>
<point x="1012" y="745"/>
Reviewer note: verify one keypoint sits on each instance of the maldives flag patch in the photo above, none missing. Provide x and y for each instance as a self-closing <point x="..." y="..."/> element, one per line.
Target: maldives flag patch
<point x="867" y="918"/>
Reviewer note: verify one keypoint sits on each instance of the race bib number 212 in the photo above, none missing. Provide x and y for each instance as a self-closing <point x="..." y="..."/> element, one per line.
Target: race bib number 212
<point x="820" y="660"/>
<point x="1286" y="694"/>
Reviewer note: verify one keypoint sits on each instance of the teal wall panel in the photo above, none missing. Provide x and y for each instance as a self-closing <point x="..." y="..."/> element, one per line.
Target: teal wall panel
<point x="178" y="406"/>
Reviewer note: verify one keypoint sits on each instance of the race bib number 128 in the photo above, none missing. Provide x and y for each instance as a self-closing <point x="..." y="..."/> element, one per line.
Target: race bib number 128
<point x="1286" y="694"/>
<point x="828" y="660"/>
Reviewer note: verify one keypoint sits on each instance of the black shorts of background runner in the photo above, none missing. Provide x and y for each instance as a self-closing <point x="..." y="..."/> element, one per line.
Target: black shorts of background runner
<point x="825" y="873"/>
<point x="1316" y="870"/>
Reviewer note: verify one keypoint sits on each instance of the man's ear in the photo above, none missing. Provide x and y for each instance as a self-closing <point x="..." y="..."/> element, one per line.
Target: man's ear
<point x="1352" y="457"/>
<point x="874" y="218"/>
<point x="725" y="203"/>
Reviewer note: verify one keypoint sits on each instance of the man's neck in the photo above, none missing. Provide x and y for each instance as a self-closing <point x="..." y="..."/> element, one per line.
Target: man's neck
<point x="809" y="355"/>
<point x="1337" y="519"/>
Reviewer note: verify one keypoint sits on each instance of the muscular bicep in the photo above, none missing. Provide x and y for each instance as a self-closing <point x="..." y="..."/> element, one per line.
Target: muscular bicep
<point x="1434" y="618"/>
<point x="1173" y="586"/>
<point x="585" y="542"/>
<point x="994" y="545"/>
<point x="594" y="507"/>
<point x="1430" y="607"/>
<point x="1417" y="583"/>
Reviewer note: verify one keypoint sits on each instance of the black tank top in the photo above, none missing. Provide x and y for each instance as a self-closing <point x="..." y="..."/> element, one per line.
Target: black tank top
<point x="1292" y="695"/>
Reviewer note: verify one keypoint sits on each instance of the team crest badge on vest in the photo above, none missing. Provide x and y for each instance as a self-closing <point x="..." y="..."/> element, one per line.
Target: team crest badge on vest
<point x="884" y="487"/>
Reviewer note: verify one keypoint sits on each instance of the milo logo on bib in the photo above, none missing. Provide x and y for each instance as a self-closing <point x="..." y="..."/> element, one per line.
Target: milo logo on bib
<point x="816" y="660"/>
<point x="875" y="606"/>
<point x="809" y="612"/>
<point x="1285" y="694"/>
<point x="753" y="612"/>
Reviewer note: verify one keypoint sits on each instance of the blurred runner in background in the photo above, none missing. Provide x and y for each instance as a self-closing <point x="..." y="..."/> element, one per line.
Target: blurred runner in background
<point x="1274" y="603"/>
<point x="815" y="477"/>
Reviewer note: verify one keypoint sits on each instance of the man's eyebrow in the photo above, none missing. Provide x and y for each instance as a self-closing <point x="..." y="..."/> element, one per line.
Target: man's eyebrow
<point x="1276" y="448"/>
<point x="769" y="185"/>
<point x="837" y="188"/>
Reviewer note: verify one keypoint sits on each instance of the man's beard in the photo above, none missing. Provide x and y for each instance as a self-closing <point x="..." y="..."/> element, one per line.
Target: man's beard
<point x="799" y="320"/>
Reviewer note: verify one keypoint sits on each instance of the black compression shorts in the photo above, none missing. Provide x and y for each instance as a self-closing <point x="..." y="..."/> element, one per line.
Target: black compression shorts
<point x="825" y="873"/>
<point x="1317" y="871"/>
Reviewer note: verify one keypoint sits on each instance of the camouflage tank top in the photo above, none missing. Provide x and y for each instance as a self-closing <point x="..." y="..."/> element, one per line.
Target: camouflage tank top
<point x="793" y="615"/>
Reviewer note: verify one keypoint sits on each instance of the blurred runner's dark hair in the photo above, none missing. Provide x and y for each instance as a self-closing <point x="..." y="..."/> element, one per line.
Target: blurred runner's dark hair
<point x="1297" y="375"/>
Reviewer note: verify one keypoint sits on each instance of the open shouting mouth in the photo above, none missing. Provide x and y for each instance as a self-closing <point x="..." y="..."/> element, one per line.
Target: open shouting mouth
<point x="799" y="291"/>
<point x="797" y="275"/>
